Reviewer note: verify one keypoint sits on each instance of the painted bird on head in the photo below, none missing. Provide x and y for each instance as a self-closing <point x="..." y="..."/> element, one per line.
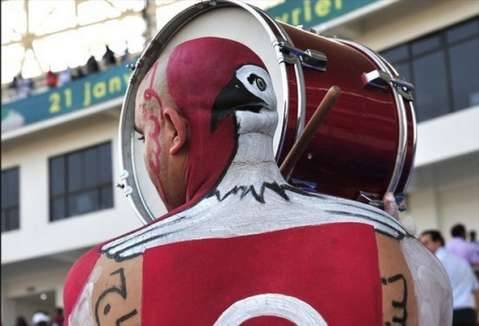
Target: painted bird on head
<point x="249" y="90"/>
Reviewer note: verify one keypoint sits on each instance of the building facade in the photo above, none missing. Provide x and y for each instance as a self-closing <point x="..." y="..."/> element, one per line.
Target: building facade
<point x="59" y="172"/>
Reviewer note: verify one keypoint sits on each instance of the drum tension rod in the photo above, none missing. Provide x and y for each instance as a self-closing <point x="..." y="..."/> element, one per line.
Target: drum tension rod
<point x="382" y="79"/>
<point x="309" y="58"/>
<point x="304" y="140"/>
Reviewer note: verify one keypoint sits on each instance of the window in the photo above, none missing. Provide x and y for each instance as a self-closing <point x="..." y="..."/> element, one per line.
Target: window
<point x="81" y="182"/>
<point x="444" y="68"/>
<point x="10" y="202"/>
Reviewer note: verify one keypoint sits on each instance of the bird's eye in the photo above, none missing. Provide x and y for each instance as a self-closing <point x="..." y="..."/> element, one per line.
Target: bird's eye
<point x="141" y="138"/>
<point x="260" y="83"/>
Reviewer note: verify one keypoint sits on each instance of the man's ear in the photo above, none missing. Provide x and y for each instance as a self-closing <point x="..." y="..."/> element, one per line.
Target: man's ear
<point x="178" y="126"/>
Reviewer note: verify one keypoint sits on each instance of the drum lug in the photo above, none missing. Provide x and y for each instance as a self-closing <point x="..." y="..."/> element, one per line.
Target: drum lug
<point x="382" y="79"/>
<point x="310" y="58"/>
<point x="370" y="198"/>
<point x="376" y="200"/>
<point x="123" y="184"/>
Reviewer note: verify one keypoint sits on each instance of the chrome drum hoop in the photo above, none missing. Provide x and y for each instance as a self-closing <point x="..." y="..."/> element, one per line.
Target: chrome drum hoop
<point x="401" y="113"/>
<point x="395" y="73"/>
<point x="129" y="180"/>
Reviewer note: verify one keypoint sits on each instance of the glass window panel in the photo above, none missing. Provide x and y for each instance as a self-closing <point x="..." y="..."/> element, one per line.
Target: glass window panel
<point x="75" y="171"/>
<point x="4" y="189"/>
<point x="432" y="97"/>
<point x="4" y="220"/>
<point x="404" y="70"/>
<point x="57" y="175"/>
<point x="13" y="220"/>
<point x="396" y="54"/>
<point x="464" y="61"/>
<point x="426" y="44"/>
<point x="83" y="202"/>
<point x="90" y="166"/>
<point x="463" y="31"/>
<point x="106" y="196"/>
<point x="12" y="187"/>
<point x="104" y="163"/>
<point x="58" y="209"/>
<point x="89" y="182"/>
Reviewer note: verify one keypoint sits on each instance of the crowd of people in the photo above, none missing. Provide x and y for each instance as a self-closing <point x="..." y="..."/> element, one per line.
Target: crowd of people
<point x="41" y="318"/>
<point x="460" y="258"/>
<point x="24" y="87"/>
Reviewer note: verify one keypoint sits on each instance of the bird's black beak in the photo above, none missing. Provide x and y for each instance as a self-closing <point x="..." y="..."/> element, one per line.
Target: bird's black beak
<point x="234" y="97"/>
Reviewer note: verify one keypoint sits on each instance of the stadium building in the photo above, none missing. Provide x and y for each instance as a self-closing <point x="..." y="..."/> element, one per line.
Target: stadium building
<point x="60" y="160"/>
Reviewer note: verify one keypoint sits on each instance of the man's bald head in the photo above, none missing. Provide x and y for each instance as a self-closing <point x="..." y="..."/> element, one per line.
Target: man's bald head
<point x="187" y="83"/>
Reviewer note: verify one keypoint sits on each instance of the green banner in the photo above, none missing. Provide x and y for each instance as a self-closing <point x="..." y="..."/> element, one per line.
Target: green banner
<point x="74" y="96"/>
<point x="310" y="13"/>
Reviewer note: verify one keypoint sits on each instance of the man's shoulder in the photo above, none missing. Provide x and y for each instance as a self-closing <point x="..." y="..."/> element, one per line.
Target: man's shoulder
<point x="77" y="277"/>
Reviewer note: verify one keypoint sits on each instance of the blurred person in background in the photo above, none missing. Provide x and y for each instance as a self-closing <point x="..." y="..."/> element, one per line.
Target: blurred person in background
<point x="460" y="247"/>
<point x="14" y="84"/>
<point x="52" y="79"/>
<point x="109" y="57"/>
<point x="21" y="321"/>
<point x="58" y="319"/>
<point x="92" y="65"/>
<point x="22" y="87"/>
<point x="40" y="318"/>
<point x="64" y="77"/>
<point x="465" y="288"/>
<point x="25" y="87"/>
<point x="473" y="238"/>
<point x="77" y="73"/>
<point x="126" y="55"/>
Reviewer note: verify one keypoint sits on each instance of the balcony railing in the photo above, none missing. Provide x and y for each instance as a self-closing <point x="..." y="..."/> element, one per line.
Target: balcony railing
<point x="73" y="96"/>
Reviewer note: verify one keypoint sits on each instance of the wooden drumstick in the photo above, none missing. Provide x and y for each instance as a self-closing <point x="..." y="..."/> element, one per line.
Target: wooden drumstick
<point x="302" y="143"/>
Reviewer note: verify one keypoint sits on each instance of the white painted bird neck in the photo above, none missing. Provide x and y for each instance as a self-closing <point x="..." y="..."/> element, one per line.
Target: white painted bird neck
<point x="254" y="162"/>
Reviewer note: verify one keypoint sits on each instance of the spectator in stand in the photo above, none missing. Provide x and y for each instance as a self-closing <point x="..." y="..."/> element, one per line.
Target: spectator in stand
<point x="64" y="77"/>
<point x="77" y="73"/>
<point x="126" y="55"/>
<point x="52" y="79"/>
<point x="92" y="65"/>
<point x="24" y="87"/>
<point x="109" y="57"/>
<point x="15" y="82"/>
<point x="460" y="247"/>
<point x="465" y="288"/>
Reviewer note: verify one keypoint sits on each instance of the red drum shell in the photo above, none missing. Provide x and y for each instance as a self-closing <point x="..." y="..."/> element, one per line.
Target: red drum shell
<point x="356" y="148"/>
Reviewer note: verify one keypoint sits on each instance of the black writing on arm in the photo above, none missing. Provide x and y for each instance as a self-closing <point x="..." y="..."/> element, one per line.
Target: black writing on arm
<point x="400" y="304"/>
<point x="104" y="300"/>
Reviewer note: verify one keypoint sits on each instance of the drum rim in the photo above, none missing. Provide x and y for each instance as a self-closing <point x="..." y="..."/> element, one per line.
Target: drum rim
<point x="413" y="118"/>
<point x="129" y="180"/>
<point x="401" y="151"/>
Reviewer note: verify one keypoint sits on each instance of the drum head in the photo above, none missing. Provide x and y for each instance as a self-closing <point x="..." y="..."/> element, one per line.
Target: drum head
<point x="235" y="21"/>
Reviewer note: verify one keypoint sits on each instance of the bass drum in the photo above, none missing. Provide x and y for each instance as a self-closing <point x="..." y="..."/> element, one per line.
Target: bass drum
<point x="366" y="144"/>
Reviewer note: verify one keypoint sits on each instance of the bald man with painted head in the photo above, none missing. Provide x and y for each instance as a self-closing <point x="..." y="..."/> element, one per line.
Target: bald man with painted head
<point x="239" y="244"/>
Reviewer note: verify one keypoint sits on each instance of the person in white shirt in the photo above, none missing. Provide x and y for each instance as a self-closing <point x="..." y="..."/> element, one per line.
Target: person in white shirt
<point x="464" y="284"/>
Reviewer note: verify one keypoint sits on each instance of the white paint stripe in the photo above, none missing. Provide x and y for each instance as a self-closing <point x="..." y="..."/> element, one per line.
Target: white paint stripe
<point x="271" y="304"/>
